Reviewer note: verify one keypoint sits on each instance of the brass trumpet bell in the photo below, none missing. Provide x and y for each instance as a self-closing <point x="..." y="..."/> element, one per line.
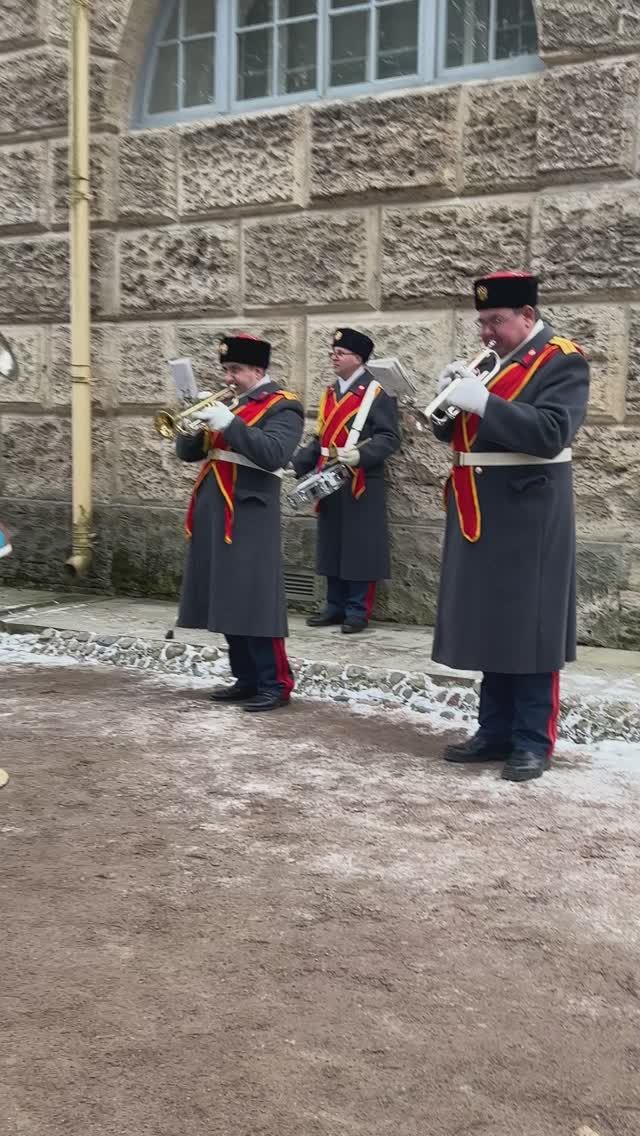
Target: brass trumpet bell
<point x="169" y="423"/>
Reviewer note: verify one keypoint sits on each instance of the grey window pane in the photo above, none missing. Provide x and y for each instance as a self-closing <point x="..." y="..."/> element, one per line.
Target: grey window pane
<point x="254" y="12"/>
<point x="164" y="87"/>
<point x="515" y="29"/>
<point x="297" y="57"/>
<point x="346" y="3"/>
<point x="171" y="31"/>
<point x="255" y="66"/>
<point x="199" y="17"/>
<point x="198" y="72"/>
<point x="397" y="40"/>
<point x="289" y="9"/>
<point x="349" y="48"/>
<point x="467" y="32"/>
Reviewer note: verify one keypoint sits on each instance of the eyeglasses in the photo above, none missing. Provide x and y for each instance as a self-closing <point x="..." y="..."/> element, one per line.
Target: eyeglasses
<point x="339" y="353"/>
<point x="495" y="322"/>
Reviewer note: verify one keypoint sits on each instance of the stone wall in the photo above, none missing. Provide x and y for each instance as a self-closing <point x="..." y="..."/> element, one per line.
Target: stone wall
<point x="377" y="211"/>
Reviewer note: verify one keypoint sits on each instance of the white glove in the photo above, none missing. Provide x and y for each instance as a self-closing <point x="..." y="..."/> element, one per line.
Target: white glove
<point x="216" y="417"/>
<point x="204" y="394"/>
<point x="456" y="370"/>
<point x="348" y="455"/>
<point x="470" y="395"/>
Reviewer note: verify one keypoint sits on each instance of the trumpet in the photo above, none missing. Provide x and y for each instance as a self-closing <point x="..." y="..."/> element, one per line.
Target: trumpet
<point x="485" y="365"/>
<point x="168" y="423"/>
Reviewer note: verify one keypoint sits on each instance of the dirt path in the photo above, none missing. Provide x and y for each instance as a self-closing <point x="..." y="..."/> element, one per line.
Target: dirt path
<point x="303" y="924"/>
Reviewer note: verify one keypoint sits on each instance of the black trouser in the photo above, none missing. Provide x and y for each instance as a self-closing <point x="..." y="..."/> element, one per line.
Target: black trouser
<point x="350" y="598"/>
<point x="520" y="711"/>
<point x="260" y="664"/>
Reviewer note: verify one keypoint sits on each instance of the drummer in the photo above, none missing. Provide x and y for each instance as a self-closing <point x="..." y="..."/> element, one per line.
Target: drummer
<point x="353" y="543"/>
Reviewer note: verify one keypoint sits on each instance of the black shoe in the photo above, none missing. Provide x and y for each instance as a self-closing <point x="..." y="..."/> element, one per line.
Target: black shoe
<point x="235" y="693"/>
<point x="352" y="626"/>
<point x="261" y="702"/>
<point x="323" y="619"/>
<point x="476" y="749"/>
<point x="524" y="766"/>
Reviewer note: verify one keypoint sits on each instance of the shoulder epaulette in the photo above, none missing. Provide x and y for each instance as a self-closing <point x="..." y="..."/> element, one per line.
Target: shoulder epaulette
<point x="289" y="395"/>
<point x="567" y="346"/>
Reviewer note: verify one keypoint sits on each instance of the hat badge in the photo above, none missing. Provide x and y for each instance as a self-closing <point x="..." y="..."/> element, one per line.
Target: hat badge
<point x="224" y="348"/>
<point x="482" y="293"/>
<point x="337" y="335"/>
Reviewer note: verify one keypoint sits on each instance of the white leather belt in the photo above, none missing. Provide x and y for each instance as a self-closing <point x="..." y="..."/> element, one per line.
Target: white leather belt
<point x="485" y="459"/>
<point x="239" y="459"/>
<point x="325" y="451"/>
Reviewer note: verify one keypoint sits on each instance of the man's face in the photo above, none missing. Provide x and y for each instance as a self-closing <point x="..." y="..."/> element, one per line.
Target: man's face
<point x="344" y="362"/>
<point x="242" y="377"/>
<point x="507" y="327"/>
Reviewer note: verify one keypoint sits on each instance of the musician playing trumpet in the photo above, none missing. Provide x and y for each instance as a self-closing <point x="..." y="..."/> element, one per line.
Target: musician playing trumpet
<point x="233" y="581"/>
<point x="507" y="602"/>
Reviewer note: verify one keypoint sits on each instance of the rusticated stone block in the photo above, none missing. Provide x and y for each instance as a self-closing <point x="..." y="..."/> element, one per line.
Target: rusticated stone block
<point x="185" y="270"/>
<point x="412" y="594"/>
<point x="589" y="26"/>
<point x="148" y="176"/>
<point x="102" y="180"/>
<point x="633" y="377"/>
<point x="147" y="548"/>
<point x="37" y="458"/>
<point x="423" y="345"/>
<point x="250" y="162"/>
<point x="33" y="277"/>
<point x="594" y="133"/>
<point x="588" y="242"/>
<point x="148" y="467"/>
<point x="433" y="253"/>
<point x="313" y="260"/>
<point x="396" y="143"/>
<point x="21" y="20"/>
<point x="598" y="572"/>
<point x="417" y="475"/>
<point x="27" y="346"/>
<point x="103" y="364"/>
<point x="34" y="91"/>
<point x="607" y="478"/>
<point x="108" y="21"/>
<point x="21" y="188"/>
<point x="143" y="374"/>
<point x="499" y="141"/>
<point x="600" y="329"/>
<point x="199" y="342"/>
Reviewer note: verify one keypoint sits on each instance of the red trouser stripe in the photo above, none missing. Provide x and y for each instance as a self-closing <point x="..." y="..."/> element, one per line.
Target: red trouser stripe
<point x="371" y="598"/>
<point x="552" y="725"/>
<point x="284" y="674"/>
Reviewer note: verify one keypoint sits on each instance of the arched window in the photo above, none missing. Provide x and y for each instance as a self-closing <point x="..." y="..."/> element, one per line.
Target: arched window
<point x="217" y="56"/>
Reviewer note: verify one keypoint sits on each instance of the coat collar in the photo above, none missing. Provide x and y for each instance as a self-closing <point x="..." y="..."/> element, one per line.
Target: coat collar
<point x="361" y="383"/>
<point x="260" y="393"/>
<point x="528" y="351"/>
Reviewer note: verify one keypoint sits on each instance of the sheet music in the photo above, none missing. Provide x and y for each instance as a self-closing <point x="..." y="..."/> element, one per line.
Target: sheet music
<point x="392" y="376"/>
<point x="184" y="380"/>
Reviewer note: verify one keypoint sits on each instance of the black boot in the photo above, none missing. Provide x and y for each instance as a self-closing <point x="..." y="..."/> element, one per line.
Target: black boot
<point x="323" y="619"/>
<point x="351" y="625"/>
<point x="476" y="749"/>
<point x="265" y="701"/>
<point x="235" y="693"/>
<point x="522" y="765"/>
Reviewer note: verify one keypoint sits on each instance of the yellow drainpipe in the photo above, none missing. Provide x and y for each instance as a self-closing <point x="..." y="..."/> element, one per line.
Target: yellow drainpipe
<point x="79" y="207"/>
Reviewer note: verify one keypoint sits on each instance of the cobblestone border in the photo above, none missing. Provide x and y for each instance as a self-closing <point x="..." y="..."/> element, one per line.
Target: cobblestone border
<point x="589" y="719"/>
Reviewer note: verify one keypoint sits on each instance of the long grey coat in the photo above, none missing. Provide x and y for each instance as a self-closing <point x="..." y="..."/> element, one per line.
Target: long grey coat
<point x="238" y="588"/>
<point x="353" y="539"/>
<point x="507" y="603"/>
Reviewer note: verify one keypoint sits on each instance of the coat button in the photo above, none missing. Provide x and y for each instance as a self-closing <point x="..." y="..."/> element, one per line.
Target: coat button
<point x="479" y="469"/>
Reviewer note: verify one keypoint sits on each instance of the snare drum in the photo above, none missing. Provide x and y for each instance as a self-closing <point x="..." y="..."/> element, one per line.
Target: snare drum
<point x="321" y="483"/>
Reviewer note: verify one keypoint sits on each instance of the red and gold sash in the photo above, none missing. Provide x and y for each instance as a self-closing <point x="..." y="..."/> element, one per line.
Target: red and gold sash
<point x="335" y="418"/>
<point x="226" y="472"/>
<point x="508" y="384"/>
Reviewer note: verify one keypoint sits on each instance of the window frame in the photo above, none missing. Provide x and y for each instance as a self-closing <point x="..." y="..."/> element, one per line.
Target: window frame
<point x="431" y="60"/>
